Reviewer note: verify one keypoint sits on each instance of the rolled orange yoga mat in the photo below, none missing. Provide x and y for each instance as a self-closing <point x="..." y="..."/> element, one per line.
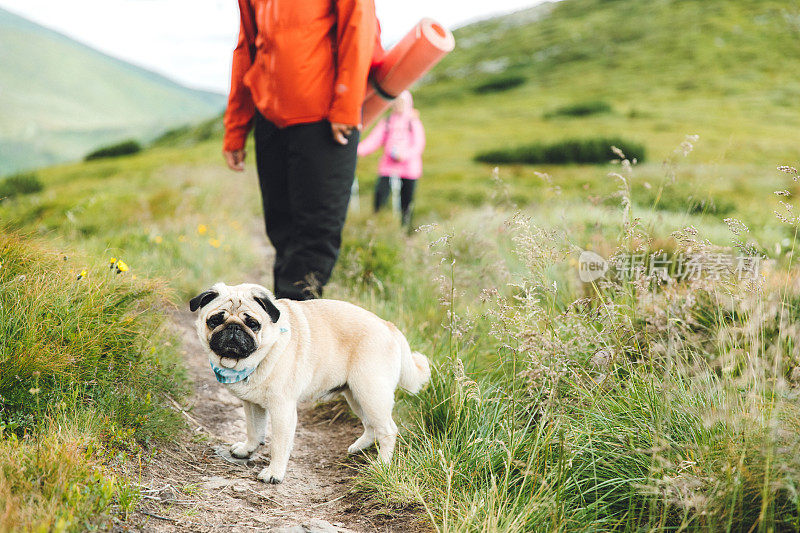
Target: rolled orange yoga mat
<point x="410" y="59"/>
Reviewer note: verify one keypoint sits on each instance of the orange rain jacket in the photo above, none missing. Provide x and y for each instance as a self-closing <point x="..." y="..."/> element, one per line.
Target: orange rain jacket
<point x="300" y="62"/>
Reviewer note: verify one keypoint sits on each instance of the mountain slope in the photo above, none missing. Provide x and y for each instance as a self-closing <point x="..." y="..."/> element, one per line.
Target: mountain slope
<point x="61" y="98"/>
<point x="713" y="45"/>
<point x="719" y="69"/>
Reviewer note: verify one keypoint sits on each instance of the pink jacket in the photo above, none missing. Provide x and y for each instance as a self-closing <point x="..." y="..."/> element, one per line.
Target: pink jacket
<point x="403" y="140"/>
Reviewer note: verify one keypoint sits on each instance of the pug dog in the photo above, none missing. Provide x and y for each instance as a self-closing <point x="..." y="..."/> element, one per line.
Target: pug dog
<point x="273" y="354"/>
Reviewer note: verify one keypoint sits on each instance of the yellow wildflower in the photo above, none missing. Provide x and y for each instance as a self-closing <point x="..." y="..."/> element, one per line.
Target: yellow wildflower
<point x="122" y="266"/>
<point x="202" y="229"/>
<point x="214" y="242"/>
<point x="157" y="239"/>
<point x="112" y="262"/>
<point x="83" y="274"/>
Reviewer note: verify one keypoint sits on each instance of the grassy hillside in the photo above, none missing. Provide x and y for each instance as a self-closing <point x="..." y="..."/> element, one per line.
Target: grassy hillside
<point x="61" y="98"/>
<point x="556" y="405"/>
<point x="720" y="70"/>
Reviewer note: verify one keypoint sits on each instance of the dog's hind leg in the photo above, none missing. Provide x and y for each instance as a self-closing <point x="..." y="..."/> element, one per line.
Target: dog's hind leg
<point x="367" y="439"/>
<point x="256" y="418"/>
<point x="387" y="436"/>
<point x="377" y="400"/>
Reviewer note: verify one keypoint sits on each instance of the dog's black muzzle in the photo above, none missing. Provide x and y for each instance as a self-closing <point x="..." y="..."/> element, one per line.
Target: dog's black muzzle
<point x="232" y="341"/>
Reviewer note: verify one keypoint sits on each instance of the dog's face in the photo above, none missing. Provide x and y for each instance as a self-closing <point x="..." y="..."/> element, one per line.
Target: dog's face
<point x="236" y="322"/>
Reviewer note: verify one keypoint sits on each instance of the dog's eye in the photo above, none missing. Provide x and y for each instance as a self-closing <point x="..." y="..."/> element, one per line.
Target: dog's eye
<point x="252" y="324"/>
<point x="215" y="320"/>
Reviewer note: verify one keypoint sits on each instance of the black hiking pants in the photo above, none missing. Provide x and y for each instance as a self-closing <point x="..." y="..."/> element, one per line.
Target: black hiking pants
<point x="305" y="179"/>
<point x="383" y="190"/>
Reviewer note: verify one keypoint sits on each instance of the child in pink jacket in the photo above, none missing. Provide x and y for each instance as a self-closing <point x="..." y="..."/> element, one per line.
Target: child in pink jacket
<point x="403" y="140"/>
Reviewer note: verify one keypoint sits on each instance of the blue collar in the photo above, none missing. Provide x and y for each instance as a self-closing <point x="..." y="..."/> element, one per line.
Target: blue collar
<point x="228" y="375"/>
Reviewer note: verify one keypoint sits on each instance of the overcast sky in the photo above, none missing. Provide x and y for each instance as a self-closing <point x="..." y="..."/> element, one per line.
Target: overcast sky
<point x="191" y="40"/>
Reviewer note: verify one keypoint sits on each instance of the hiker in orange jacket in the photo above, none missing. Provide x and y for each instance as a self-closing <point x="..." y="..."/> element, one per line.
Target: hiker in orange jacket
<point x="299" y="78"/>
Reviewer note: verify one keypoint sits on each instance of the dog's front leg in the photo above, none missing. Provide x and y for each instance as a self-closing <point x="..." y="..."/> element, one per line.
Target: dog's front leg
<point x="256" y="418"/>
<point x="284" y="422"/>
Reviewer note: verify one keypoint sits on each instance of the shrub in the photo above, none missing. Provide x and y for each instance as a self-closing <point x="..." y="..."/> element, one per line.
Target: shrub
<point x="499" y="84"/>
<point x="581" y="109"/>
<point x="593" y="150"/>
<point x="115" y="150"/>
<point x="19" y="184"/>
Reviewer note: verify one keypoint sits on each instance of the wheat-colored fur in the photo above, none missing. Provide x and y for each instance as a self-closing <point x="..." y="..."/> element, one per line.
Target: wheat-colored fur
<point x="327" y="347"/>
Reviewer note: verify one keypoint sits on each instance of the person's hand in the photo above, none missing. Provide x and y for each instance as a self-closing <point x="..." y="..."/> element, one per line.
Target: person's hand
<point x="235" y="159"/>
<point x="341" y="131"/>
<point x="397" y="155"/>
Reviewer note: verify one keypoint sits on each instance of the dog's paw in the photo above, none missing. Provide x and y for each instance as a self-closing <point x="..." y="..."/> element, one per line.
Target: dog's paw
<point x="367" y="440"/>
<point x="269" y="476"/>
<point x="242" y="450"/>
<point x="355" y="448"/>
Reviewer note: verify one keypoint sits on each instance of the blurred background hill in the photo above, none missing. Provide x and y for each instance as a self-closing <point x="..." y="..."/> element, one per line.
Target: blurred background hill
<point x="60" y="98"/>
<point x="649" y="72"/>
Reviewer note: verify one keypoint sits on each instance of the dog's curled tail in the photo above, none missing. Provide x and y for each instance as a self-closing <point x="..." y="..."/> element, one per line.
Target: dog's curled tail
<point x="415" y="370"/>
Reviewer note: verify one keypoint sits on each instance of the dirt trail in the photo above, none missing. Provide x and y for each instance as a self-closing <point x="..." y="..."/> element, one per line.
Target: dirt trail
<point x="196" y="485"/>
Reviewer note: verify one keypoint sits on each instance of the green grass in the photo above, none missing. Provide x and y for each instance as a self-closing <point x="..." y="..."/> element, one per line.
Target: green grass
<point x="86" y="368"/>
<point x="59" y="481"/>
<point x="563" y="406"/>
<point x="162" y="212"/>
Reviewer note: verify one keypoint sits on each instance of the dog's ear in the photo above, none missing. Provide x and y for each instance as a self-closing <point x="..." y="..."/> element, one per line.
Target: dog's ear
<point x="202" y="300"/>
<point x="264" y="301"/>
